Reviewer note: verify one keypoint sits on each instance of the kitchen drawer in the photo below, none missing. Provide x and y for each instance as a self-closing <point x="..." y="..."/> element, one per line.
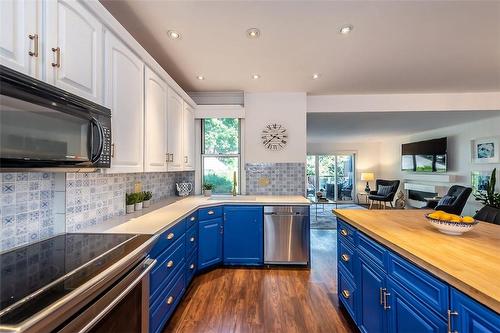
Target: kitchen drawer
<point x="191" y="220"/>
<point x="191" y="267"/>
<point x="376" y="252"/>
<point x="345" y="232"/>
<point x="168" y="263"/>
<point x="347" y="293"/>
<point x="191" y="240"/>
<point x="427" y="288"/>
<point x="210" y="213"/>
<point x="168" y="238"/>
<point x="164" y="306"/>
<point x="345" y="258"/>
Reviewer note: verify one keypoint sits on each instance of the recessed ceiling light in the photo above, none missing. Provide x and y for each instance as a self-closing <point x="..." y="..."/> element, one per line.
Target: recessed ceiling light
<point x="173" y="34"/>
<point x="200" y="77"/>
<point x="253" y="33"/>
<point x="315" y="76"/>
<point x="346" y="29"/>
<point x="255" y="76"/>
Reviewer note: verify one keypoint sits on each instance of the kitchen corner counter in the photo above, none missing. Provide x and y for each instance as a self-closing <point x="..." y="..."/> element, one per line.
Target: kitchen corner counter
<point x="166" y="213"/>
<point x="470" y="263"/>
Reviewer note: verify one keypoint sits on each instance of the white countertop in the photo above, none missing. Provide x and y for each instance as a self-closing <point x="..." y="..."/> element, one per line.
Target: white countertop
<point x="164" y="214"/>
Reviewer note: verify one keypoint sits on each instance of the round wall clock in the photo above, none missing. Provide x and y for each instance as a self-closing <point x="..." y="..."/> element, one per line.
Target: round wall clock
<point x="274" y="137"/>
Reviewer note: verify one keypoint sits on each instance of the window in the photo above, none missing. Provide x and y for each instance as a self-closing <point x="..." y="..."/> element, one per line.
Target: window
<point x="220" y="153"/>
<point x="332" y="175"/>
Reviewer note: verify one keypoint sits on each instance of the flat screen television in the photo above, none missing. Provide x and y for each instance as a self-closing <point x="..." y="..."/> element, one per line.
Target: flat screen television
<point x="425" y="156"/>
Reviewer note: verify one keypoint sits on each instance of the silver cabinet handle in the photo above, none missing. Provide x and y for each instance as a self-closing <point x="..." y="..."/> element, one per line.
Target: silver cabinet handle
<point x="167" y="158"/>
<point x="210" y="212"/>
<point x="34" y="38"/>
<point x="381" y="296"/>
<point x="170" y="264"/>
<point x="191" y="239"/>
<point x="345" y="257"/>
<point x="171" y="157"/>
<point x="191" y="267"/>
<point x="451" y="313"/>
<point x="170" y="300"/>
<point x="57" y="51"/>
<point x="170" y="235"/>
<point x="192" y="218"/>
<point x="386" y="294"/>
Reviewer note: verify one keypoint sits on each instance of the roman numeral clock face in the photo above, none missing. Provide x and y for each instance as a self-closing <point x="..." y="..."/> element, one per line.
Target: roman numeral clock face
<point x="274" y="137"/>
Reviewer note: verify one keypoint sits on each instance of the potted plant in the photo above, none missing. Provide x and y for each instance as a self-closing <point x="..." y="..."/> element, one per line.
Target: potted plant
<point x="491" y="201"/>
<point x="138" y="201"/>
<point x="130" y="202"/>
<point x="147" y="198"/>
<point x="207" y="189"/>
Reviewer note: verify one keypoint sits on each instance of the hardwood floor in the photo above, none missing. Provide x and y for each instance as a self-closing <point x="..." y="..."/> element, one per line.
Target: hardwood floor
<point x="267" y="300"/>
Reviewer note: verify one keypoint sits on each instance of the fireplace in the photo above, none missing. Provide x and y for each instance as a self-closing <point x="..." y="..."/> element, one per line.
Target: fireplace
<point x="416" y="193"/>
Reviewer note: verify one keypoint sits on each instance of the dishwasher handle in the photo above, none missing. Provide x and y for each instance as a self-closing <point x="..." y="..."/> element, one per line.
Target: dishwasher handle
<point x="286" y="210"/>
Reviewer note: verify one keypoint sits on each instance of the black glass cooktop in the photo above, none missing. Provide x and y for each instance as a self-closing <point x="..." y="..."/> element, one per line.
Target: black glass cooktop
<point x="48" y="270"/>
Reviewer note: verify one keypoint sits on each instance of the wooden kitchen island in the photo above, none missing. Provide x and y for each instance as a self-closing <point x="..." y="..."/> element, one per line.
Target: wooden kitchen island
<point x="398" y="273"/>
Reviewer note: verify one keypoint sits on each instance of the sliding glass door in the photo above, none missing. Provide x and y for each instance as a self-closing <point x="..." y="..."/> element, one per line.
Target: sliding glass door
<point x="332" y="175"/>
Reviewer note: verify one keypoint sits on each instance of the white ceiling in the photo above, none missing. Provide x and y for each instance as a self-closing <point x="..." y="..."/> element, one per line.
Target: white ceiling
<point x="379" y="126"/>
<point x="395" y="47"/>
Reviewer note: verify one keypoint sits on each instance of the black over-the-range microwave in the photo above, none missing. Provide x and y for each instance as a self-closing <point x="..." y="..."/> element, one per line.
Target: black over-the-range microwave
<point x="42" y="126"/>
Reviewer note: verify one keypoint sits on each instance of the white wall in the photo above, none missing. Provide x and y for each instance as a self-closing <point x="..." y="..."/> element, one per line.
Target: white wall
<point x="459" y="153"/>
<point x="287" y="109"/>
<point x="367" y="156"/>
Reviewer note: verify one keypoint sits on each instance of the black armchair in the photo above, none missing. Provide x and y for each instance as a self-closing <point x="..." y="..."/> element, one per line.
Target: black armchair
<point x="387" y="197"/>
<point x="460" y="195"/>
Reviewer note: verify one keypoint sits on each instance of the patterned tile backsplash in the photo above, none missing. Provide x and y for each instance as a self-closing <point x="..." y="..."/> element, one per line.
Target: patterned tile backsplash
<point x="275" y="178"/>
<point x="29" y="206"/>
<point x="92" y="198"/>
<point x="26" y="208"/>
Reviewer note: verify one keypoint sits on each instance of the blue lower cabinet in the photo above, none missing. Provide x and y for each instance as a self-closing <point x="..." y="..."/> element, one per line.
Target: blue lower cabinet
<point x="210" y="242"/>
<point x="471" y="317"/>
<point x="370" y="282"/>
<point x="161" y="310"/>
<point x="191" y="267"/>
<point x="243" y="235"/>
<point x="406" y="314"/>
<point x="168" y="263"/>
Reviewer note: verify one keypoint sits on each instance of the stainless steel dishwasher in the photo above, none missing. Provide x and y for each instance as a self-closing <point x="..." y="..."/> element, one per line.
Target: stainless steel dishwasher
<point x="286" y="235"/>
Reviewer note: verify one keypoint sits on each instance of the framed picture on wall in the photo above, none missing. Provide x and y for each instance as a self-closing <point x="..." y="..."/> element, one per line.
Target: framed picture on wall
<point x="480" y="181"/>
<point x="486" y="150"/>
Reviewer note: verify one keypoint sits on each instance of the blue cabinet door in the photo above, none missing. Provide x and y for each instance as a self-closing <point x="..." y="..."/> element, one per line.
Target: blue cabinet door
<point x="471" y="316"/>
<point x="243" y="235"/>
<point x="370" y="281"/>
<point x="408" y="315"/>
<point x="210" y="242"/>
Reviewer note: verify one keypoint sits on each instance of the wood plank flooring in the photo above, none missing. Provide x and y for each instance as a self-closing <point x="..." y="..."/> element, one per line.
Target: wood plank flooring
<point x="267" y="300"/>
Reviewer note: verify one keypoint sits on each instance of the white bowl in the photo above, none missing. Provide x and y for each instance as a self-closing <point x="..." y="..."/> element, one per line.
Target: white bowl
<point x="451" y="228"/>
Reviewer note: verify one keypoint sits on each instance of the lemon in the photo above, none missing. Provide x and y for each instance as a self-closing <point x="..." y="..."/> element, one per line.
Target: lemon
<point x="468" y="219"/>
<point x="456" y="219"/>
<point x="446" y="217"/>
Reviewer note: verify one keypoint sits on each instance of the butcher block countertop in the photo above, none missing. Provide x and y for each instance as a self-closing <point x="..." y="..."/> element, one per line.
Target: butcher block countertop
<point x="470" y="262"/>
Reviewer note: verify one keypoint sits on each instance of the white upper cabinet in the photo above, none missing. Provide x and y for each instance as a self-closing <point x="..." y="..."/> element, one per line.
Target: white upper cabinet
<point x="20" y="40"/>
<point x="74" y="50"/>
<point x="124" y="96"/>
<point x="174" y="131"/>
<point x="188" y="142"/>
<point x="155" y="145"/>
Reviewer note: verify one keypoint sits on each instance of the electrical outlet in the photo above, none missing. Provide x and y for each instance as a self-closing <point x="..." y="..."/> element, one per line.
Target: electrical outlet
<point x="137" y="187"/>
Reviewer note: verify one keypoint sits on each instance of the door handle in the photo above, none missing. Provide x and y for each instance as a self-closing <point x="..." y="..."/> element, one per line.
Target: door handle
<point x="57" y="51"/>
<point x="34" y="38"/>
<point x="449" y="328"/>
<point x="95" y="157"/>
<point x="386" y="294"/>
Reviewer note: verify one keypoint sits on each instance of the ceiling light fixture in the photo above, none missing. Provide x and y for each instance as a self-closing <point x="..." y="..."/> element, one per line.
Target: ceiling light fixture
<point x="346" y="29"/>
<point x="173" y="34"/>
<point x="253" y="33"/>
<point x="200" y="77"/>
<point x="255" y="76"/>
<point x="315" y="76"/>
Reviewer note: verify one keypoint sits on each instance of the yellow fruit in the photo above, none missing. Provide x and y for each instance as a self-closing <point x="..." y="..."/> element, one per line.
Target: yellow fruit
<point x="434" y="216"/>
<point x="456" y="219"/>
<point x="446" y="217"/>
<point x="468" y="219"/>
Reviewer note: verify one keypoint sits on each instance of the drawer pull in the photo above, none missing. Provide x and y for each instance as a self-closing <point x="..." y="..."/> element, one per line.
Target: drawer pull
<point x="343" y="232"/>
<point x="57" y="51"/>
<point x="170" y="235"/>
<point x="211" y="212"/>
<point x="191" y="267"/>
<point x="170" y="264"/>
<point x="346" y="294"/>
<point x="345" y="257"/>
<point x="34" y="38"/>
<point x="170" y="300"/>
<point x="192" y="219"/>
<point x="191" y="239"/>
